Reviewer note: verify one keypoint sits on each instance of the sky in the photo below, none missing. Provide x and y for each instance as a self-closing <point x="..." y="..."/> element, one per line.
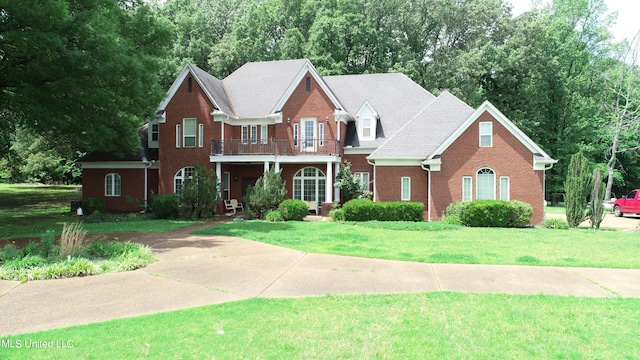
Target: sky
<point x="628" y="23"/>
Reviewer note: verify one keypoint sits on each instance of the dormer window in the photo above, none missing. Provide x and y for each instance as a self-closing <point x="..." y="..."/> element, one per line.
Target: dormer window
<point x="367" y="120"/>
<point x="486" y="134"/>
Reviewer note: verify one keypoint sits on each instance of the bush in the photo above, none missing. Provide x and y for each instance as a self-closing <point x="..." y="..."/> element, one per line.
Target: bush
<point x="91" y="205"/>
<point x="293" y="209"/>
<point x="268" y="192"/>
<point x="337" y="214"/>
<point x="165" y="207"/>
<point x="555" y="224"/>
<point x="274" y="215"/>
<point x="366" y="210"/>
<point x="200" y="194"/>
<point x="494" y="213"/>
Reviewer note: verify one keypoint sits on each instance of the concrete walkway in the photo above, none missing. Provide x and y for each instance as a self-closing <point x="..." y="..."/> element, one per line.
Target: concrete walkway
<point x="199" y="270"/>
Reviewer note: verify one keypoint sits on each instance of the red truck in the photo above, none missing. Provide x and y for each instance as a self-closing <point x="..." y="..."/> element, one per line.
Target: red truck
<point x="629" y="204"/>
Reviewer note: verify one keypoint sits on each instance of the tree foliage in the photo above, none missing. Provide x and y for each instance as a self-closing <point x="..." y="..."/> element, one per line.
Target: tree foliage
<point x="80" y="72"/>
<point x="269" y="191"/>
<point x="351" y="186"/>
<point x="200" y="194"/>
<point x="577" y="189"/>
<point x="596" y="206"/>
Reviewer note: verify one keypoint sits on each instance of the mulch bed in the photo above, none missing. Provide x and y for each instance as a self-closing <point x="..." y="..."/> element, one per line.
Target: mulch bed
<point x="122" y="237"/>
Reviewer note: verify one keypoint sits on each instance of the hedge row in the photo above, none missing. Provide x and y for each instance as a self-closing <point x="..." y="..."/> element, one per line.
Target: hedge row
<point x="367" y="210"/>
<point x="492" y="213"/>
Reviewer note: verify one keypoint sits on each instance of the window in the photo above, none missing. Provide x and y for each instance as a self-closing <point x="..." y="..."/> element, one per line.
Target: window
<point x="264" y="134"/>
<point x="366" y="129"/>
<point x="112" y="184"/>
<point x="180" y="177"/>
<point x="405" y="188"/>
<point x="190" y="84"/>
<point x="295" y="134"/>
<point x="364" y="180"/>
<point x="189" y="134"/>
<point x="245" y="134"/>
<point x="155" y="132"/>
<point x="178" y="136"/>
<point x="308" y="84"/>
<point x="321" y="134"/>
<point x="254" y="134"/>
<point x="485" y="184"/>
<point x="200" y="135"/>
<point x="309" y="185"/>
<point x="486" y="134"/>
<point x="226" y="186"/>
<point x="466" y="188"/>
<point x="504" y="188"/>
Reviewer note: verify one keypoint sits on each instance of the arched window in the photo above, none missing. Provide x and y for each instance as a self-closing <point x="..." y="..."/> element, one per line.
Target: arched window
<point x="178" y="180"/>
<point x="309" y="185"/>
<point x="112" y="185"/>
<point x="485" y="184"/>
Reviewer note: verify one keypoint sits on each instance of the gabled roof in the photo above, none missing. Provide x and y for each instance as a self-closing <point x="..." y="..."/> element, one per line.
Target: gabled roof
<point x="426" y="131"/>
<point x="394" y="96"/>
<point x="539" y="154"/>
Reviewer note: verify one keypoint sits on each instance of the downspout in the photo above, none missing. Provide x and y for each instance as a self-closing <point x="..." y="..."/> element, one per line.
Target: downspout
<point x="544" y="190"/>
<point x="147" y="165"/>
<point x="428" y="170"/>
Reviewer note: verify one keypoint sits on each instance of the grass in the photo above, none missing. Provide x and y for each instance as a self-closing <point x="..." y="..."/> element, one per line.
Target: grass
<point x="30" y="210"/>
<point x="405" y="326"/>
<point x="446" y="244"/>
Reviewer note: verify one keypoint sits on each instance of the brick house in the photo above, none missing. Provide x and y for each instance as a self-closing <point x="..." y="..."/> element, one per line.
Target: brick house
<point x="404" y="142"/>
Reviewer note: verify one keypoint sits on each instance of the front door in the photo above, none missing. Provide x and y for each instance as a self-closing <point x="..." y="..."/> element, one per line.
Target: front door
<point x="308" y="143"/>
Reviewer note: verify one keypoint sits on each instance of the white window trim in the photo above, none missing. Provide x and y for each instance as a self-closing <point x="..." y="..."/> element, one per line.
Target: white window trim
<point x="470" y="179"/>
<point x="111" y="190"/>
<point x="253" y="134"/>
<point x="321" y="134"/>
<point x="180" y="176"/>
<point x="264" y="134"/>
<point x="184" y="132"/>
<point x="178" y="136"/>
<point x="200" y="135"/>
<point x="154" y="143"/>
<point x="508" y="188"/>
<point x="371" y="127"/>
<point x="244" y="134"/>
<point x="226" y="186"/>
<point x="489" y="134"/>
<point x="493" y="188"/>
<point x="364" y="179"/>
<point x="295" y="134"/>
<point x="402" y="188"/>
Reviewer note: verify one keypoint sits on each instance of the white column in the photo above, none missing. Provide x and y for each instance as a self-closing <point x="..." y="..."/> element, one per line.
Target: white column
<point x="277" y="166"/>
<point x="266" y="167"/>
<point x="219" y="175"/>
<point x="328" y="184"/>
<point x="337" y="192"/>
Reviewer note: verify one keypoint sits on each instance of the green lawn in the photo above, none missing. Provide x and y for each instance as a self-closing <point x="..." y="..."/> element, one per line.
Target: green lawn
<point x="30" y="210"/>
<point x="402" y="326"/>
<point x="439" y="244"/>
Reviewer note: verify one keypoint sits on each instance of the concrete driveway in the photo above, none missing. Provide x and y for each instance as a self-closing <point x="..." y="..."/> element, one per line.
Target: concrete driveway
<point x="195" y="270"/>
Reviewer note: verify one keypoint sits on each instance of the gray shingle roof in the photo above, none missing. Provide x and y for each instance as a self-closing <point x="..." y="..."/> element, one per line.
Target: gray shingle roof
<point x="427" y="130"/>
<point x="255" y="88"/>
<point x="395" y="97"/>
<point x="215" y="88"/>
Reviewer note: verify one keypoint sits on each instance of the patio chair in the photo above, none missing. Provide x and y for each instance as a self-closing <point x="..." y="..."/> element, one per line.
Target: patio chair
<point x="233" y="205"/>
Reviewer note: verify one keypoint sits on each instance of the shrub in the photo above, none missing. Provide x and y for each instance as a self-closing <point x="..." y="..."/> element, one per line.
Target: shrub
<point x="73" y="239"/>
<point x="366" y="210"/>
<point x="521" y="214"/>
<point x="91" y="205"/>
<point x="293" y="209"/>
<point x="452" y="220"/>
<point x="46" y="244"/>
<point x="555" y="224"/>
<point x="30" y="249"/>
<point x="9" y="252"/>
<point x="337" y="214"/>
<point x="267" y="194"/>
<point x="274" y="215"/>
<point x="165" y="207"/>
<point x="490" y="213"/>
<point x="577" y="188"/>
<point x="200" y="193"/>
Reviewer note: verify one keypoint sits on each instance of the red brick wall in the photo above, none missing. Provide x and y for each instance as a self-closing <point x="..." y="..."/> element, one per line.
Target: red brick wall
<point x="507" y="157"/>
<point x="132" y="185"/>
<point x="388" y="184"/>
<point x="183" y="105"/>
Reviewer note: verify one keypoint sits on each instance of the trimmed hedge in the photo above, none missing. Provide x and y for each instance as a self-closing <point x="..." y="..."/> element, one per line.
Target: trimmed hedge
<point x="165" y="207"/>
<point x="367" y="210"/>
<point x="293" y="209"/>
<point x="91" y="205"/>
<point x="492" y="213"/>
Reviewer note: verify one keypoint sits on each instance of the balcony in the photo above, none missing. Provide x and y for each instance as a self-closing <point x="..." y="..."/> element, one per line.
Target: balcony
<point x="276" y="147"/>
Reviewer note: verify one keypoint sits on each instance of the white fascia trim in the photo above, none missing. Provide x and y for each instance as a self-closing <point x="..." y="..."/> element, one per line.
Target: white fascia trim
<point x="433" y="164"/>
<point x="219" y="116"/>
<point x="308" y="67"/>
<point x="258" y="159"/>
<point x="359" y="150"/>
<point x="499" y="116"/>
<point x="543" y="163"/>
<point x="178" y="81"/>
<point x="398" y="162"/>
<point x="119" y="165"/>
<point x="342" y="115"/>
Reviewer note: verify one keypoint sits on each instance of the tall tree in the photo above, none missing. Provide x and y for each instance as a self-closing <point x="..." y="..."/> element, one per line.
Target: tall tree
<point x="577" y="187"/>
<point x="80" y="72"/>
